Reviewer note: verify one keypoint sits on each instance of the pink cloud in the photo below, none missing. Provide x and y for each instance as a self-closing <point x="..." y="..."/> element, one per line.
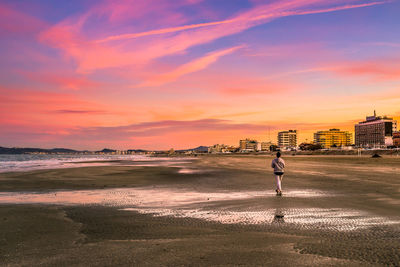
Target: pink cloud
<point x="258" y="15"/>
<point x="151" y="10"/>
<point x="17" y="23"/>
<point x="376" y="70"/>
<point x="381" y="70"/>
<point x="92" y="55"/>
<point x="65" y="81"/>
<point x="161" y="31"/>
<point x="193" y="66"/>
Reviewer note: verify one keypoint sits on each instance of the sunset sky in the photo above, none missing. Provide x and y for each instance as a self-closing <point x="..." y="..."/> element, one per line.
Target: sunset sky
<point x="160" y="74"/>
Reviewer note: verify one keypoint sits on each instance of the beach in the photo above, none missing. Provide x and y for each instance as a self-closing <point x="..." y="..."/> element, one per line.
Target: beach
<point x="204" y="210"/>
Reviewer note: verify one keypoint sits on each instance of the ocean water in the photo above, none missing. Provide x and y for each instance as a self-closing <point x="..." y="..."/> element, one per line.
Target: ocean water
<point x="27" y="162"/>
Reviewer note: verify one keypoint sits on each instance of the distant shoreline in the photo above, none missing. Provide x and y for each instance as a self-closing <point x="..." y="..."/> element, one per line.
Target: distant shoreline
<point x="290" y="153"/>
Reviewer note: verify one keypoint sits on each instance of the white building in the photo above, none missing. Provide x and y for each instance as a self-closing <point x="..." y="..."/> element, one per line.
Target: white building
<point x="287" y="139"/>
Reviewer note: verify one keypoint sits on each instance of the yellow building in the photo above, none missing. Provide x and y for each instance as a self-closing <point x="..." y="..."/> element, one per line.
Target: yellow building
<point x="248" y="144"/>
<point x="265" y="146"/>
<point x="332" y="138"/>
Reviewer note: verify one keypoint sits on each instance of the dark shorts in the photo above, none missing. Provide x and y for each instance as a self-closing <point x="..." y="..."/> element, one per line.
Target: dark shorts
<point x="278" y="173"/>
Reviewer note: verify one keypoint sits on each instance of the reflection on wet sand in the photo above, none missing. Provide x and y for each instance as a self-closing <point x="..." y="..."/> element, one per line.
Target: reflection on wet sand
<point x="191" y="204"/>
<point x="143" y="196"/>
<point x="304" y="218"/>
<point x="279" y="216"/>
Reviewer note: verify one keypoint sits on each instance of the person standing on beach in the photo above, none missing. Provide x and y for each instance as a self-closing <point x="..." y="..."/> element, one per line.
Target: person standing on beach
<point x="278" y="165"/>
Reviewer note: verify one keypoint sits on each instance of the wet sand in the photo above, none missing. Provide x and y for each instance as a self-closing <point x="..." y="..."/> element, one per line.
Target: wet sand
<point x="211" y="210"/>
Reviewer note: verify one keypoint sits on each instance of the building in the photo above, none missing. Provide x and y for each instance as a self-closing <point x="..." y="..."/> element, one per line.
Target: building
<point x="396" y="139"/>
<point x="265" y="146"/>
<point x="248" y="145"/>
<point x="375" y="131"/>
<point x="333" y="138"/>
<point x="221" y="149"/>
<point x="242" y="144"/>
<point x="287" y="139"/>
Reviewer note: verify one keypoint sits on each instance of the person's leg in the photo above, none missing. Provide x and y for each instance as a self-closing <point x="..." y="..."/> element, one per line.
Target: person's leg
<point x="278" y="182"/>
<point x="280" y="178"/>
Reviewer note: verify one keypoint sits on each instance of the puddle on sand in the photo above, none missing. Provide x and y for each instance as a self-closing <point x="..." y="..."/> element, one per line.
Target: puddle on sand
<point x="143" y="196"/>
<point x="306" y="218"/>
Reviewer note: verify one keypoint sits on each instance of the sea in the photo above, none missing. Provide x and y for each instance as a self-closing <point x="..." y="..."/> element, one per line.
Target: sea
<point x="28" y="162"/>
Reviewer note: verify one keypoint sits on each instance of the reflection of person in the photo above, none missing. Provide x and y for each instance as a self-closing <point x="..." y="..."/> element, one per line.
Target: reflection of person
<point x="279" y="217"/>
<point x="278" y="165"/>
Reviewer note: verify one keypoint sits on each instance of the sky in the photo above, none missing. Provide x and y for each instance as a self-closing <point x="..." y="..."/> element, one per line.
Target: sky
<point x="161" y="74"/>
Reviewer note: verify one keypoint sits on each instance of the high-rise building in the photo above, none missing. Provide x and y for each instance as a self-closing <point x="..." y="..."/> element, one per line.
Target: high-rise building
<point x="287" y="139"/>
<point x="332" y="138"/>
<point x="375" y="131"/>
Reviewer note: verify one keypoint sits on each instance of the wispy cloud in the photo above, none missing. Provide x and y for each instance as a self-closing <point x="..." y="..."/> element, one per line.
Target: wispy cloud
<point x="252" y="20"/>
<point x="70" y="81"/>
<point x="375" y="70"/>
<point x="344" y="7"/>
<point x="193" y="66"/>
<point x="159" y="128"/>
<point x="101" y="53"/>
<point x="161" y="31"/>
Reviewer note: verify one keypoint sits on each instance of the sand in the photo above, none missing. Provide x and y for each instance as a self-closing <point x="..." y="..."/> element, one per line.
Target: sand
<point x="209" y="210"/>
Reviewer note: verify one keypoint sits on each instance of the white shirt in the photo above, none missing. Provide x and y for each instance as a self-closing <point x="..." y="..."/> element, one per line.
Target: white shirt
<point x="278" y="164"/>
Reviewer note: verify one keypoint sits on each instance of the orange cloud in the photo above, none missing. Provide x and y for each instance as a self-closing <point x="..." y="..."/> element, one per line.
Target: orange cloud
<point x="39" y="107"/>
<point x="259" y="88"/>
<point x="241" y="84"/>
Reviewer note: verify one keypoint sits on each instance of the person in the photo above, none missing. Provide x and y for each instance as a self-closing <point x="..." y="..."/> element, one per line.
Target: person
<point x="278" y="164"/>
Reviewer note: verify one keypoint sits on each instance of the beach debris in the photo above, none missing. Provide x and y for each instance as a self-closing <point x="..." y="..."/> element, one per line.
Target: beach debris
<point x="376" y="155"/>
